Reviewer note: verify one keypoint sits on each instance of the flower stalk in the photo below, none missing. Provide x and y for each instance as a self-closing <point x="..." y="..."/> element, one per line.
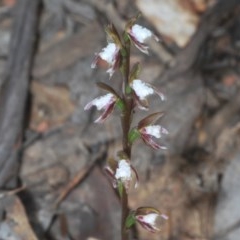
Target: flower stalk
<point x="126" y="124"/>
<point x="133" y="95"/>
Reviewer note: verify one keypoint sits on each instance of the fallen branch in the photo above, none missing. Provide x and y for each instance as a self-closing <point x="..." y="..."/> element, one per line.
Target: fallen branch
<point x="15" y="89"/>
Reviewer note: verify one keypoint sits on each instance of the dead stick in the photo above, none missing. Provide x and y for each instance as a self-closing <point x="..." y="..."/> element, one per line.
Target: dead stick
<point x="81" y="174"/>
<point x="15" y="89"/>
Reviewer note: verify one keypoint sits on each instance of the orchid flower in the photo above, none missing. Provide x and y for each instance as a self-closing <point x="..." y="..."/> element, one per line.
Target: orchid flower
<point x="147" y="131"/>
<point x="150" y="131"/>
<point x="141" y="91"/>
<point x="111" y="55"/>
<point x="122" y="171"/>
<point x="148" y="217"/>
<point x="106" y="102"/>
<point x="139" y="35"/>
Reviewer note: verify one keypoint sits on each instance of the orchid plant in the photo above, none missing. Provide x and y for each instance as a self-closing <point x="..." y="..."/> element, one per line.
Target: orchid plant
<point x="132" y="96"/>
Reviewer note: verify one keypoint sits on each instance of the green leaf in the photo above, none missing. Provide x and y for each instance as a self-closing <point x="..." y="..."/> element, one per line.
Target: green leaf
<point x="130" y="221"/>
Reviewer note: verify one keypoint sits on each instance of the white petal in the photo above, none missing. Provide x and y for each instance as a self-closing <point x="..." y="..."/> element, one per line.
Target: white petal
<point x="142" y="89"/>
<point x="103" y="101"/>
<point x="109" y="53"/>
<point x="153" y="130"/>
<point x="150" y="218"/>
<point x="123" y="171"/>
<point x="140" y="33"/>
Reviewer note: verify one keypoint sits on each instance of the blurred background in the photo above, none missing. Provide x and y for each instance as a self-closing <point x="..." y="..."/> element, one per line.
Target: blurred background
<point x="52" y="156"/>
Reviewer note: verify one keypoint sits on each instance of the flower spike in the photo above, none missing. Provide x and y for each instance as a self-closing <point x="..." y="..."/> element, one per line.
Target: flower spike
<point x="134" y="93"/>
<point x="106" y="102"/>
<point x="111" y="55"/>
<point x="139" y="35"/>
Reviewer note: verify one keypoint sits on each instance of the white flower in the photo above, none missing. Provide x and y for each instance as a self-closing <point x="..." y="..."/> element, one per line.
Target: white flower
<point x="139" y="35"/>
<point x="150" y="131"/>
<point x="148" y="216"/>
<point x="142" y="90"/>
<point x="123" y="171"/>
<point x="148" y="221"/>
<point x="106" y="102"/>
<point x="109" y="54"/>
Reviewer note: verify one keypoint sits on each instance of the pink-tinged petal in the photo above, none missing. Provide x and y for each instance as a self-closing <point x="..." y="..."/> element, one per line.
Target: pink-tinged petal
<point x="111" y="175"/>
<point x="141" y="104"/>
<point x="160" y="94"/>
<point x="89" y="105"/>
<point x="150" y="142"/>
<point x="148" y="221"/>
<point x="150" y="218"/>
<point x="165" y="217"/>
<point x="106" y="102"/>
<point x="151" y="131"/>
<point x="136" y="176"/>
<point x="141" y="46"/>
<point x="148" y="226"/>
<point x="108" y="110"/>
<point x="101" y="102"/>
<point x="113" y="66"/>
<point x="95" y="61"/>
